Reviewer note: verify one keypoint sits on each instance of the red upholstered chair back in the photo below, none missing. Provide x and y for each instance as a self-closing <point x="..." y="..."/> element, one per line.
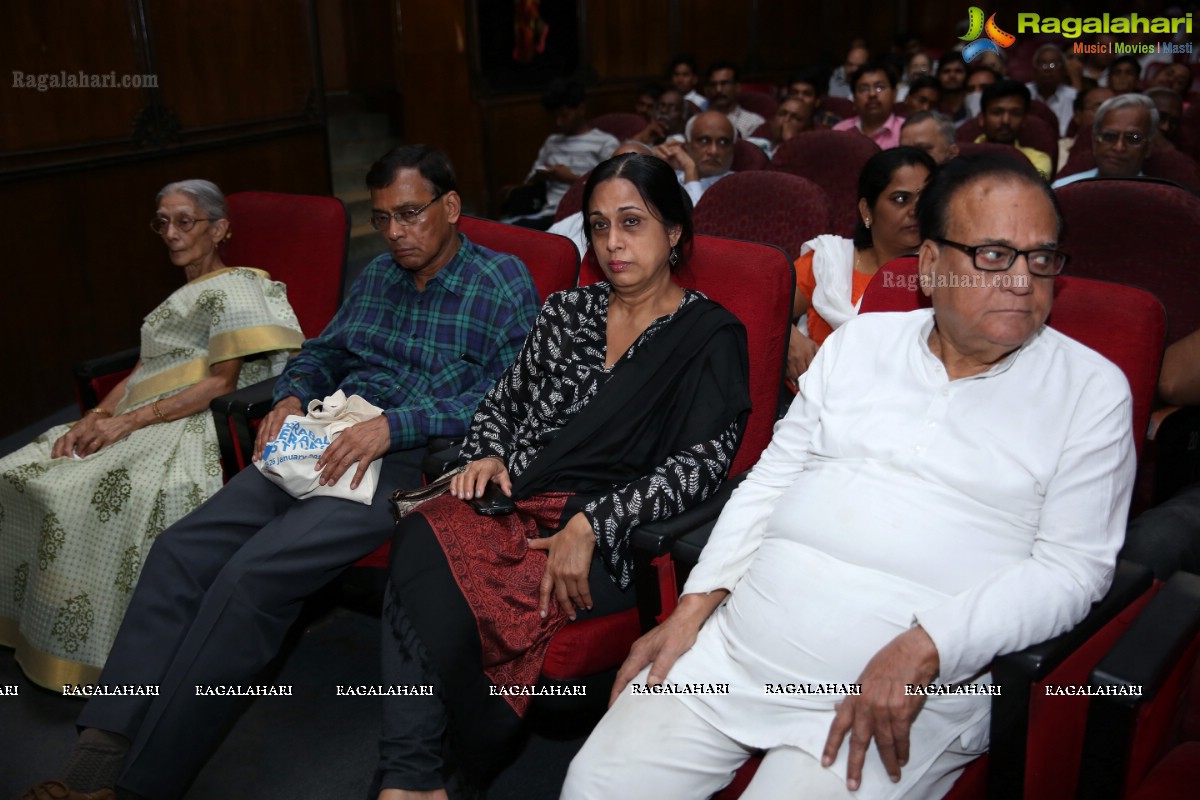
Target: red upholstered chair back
<point x="1124" y="324"/>
<point x="622" y="125"/>
<point x="840" y="106"/>
<point x="572" y="201"/>
<point x="748" y="157"/>
<point x="299" y="239"/>
<point x="1046" y="114"/>
<point x="1140" y="233"/>
<point x="759" y="102"/>
<point x="833" y="161"/>
<point x="1003" y="150"/>
<point x="1035" y="132"/>
<point x="755" y="282"/>
<point x="552" y="261"/>
<point x="771" y="207"/>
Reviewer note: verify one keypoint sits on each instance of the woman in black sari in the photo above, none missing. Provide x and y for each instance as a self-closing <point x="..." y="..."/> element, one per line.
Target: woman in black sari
<point x="625" y="406"/>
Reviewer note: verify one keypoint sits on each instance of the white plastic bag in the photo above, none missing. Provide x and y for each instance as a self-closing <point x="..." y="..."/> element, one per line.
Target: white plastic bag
<point x="289" y="459"/>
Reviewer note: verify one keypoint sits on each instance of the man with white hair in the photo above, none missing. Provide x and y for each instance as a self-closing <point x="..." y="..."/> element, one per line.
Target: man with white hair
<point x="1050" y="85"/>
<point x="1123" y="135"/>
<point x="931" y="131"/>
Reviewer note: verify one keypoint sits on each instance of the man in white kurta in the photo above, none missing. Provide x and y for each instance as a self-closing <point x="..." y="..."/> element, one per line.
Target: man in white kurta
<point x="949" y="485"/>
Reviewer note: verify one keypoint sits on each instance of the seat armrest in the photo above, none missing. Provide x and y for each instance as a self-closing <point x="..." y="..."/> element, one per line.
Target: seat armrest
<point x="441" y="456"/>
<point x="85" y="371"/>
<point x="232" y="415"/>
<point x="656" y="538"/>
<point x="1017" y="673"/>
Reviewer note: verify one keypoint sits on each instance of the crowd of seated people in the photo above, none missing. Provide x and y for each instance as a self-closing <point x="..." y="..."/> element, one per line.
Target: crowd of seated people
<point x="537" y="384"/>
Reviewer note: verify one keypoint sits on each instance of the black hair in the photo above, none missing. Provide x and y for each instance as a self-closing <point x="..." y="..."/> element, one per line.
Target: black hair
<point x="1137" y="65"/>
<point x="562" y="93"/>
<point x="873" y="66"/>
<point x="651" y="89"/>
<point x="877" y="174"/>
<point x="716" y="66"/>
<point x="977" y="67"/>
<point x="655" y="181"/>
<point x="815" y="77"/>
<point x="433" y="164"/>
<point x="934" y="204"/>
<point x="950" y="58"/>
<point x="688" y="60"/>
<point x="925" y="82"/>
<point x="1006" y="87"/>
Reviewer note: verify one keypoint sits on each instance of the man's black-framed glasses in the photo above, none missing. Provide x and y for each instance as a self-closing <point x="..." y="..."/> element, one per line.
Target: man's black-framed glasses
<point x="1043" y="262"/>
<point x="380" y="220"/>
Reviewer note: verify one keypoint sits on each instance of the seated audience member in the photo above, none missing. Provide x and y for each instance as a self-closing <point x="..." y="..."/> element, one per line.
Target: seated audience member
<point x="1123" y="74"/>
<point x="924" y="94"/>
<point x="1170" y="115"/>
<point x="874" y="99"/>
<point x="1176" y="77"/>
<point x="646" y="100"/>
<point x="1167" y="537"/>
<point x="568" y="154"/>
<point x="919" y="65"/>
<point x="1050" y="84"/>
<point x="1123" y="135"/>
<point x="971" y="431"/>
<point x="805" y="86"/>
<point x="933" y="132"/>
<point x="952" y="74"/>
<point x="81" y="505"/>
<point x="839" y="81"/>
<point x="1093" y="66"/>
<point x="997" y="62"/>
<point x="706" y="157"/>
<point x="1084" y="116"/>
<point x="978" y="79"/>
<point x="791" y="117"/>
<point x="685" y="75"/>
<point x="1005" y="104"/>
<point x="423" y="332"/>
<point x="625" y="406"/>
<point x="832" y="272"/>
<point x="670" y="114"/>
<point x="571" y="226"/>
<point x="722" y="88"/>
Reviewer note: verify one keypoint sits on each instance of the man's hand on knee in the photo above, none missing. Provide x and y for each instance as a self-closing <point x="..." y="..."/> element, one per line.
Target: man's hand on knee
<point x="883" y="712"/>
<point x="361" y="443"/>
<point x="272" y="423"/>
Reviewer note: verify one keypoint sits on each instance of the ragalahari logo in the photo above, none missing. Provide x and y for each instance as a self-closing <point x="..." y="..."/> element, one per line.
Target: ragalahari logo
<point x="995" y="40"/>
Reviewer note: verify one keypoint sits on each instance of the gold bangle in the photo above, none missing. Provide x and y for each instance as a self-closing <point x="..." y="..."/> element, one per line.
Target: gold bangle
<point x="99" y="410"/>
<point x="157" y="412"/>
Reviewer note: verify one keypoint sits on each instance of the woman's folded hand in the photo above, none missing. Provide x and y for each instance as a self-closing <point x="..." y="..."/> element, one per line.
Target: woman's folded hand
<point x="474" y="479"/>
<point x="567" y="566"/>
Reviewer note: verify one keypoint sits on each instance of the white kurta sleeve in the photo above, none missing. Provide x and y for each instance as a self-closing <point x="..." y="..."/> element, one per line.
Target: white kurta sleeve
<point x="1080" y="529"/>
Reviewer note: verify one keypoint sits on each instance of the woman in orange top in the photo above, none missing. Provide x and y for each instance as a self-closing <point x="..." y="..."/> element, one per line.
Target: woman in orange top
<point x="833" y="272"/>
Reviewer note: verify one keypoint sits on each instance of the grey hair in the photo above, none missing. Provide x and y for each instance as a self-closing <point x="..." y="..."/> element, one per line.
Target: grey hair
<point x="1048" y="46"/>
<point x="945" y="125"/>
<point x="208" y="196"/>
<point x="649" y="150"/>
<point x="1130" y="100"/>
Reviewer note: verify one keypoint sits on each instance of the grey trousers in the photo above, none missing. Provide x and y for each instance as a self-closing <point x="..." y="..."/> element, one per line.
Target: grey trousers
<point x="215" y="599"/>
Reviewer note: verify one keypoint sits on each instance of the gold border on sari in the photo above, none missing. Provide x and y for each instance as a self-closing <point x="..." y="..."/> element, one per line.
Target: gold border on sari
<point x="47" y="671"/>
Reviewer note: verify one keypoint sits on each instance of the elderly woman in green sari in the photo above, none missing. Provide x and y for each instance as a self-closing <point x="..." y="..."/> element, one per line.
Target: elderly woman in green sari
<point x="81" y="505"/>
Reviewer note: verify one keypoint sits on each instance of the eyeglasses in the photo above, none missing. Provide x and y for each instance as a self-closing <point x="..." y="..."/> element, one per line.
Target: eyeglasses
<point x="160" y="224"/>
<point x="1048" y="65"/>
<point x="1132" y="138"/>
<point x="1043" y="262"/>
<point x="871" y="88"/>
<point x="381" y="220"/>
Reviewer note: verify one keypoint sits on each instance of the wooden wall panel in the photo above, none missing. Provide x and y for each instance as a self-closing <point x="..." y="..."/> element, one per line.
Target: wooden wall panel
<point x="628" y="40"/>
<point x="52" y="38"/>
<point x="715" y="30"/>
<point x="214" y="73"/>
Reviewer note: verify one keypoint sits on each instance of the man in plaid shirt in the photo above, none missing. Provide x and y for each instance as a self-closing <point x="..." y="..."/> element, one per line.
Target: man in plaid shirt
<point x="424" y="332"/>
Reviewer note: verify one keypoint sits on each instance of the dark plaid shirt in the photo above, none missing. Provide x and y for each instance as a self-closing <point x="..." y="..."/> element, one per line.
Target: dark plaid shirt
<point x="425" y="357"/>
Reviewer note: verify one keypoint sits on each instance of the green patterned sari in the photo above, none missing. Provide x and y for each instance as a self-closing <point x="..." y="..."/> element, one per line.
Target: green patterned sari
<point x="74" y="532"/>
